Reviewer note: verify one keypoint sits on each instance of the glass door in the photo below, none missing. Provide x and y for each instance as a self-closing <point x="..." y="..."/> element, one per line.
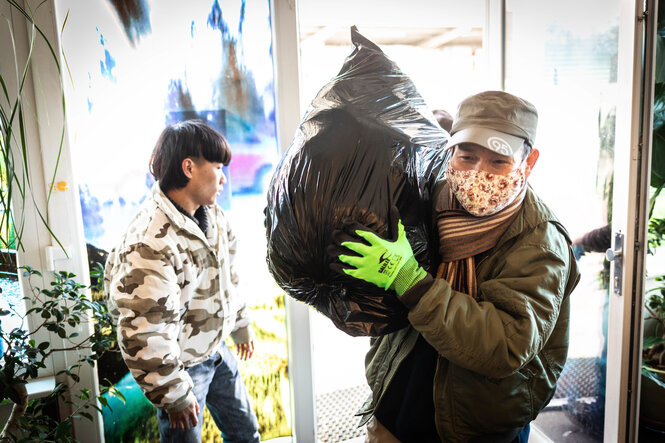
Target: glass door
<point x="581" y="65"/>
<point x="450" y="34"/>
<point x="134" y="69"/>
<point x="577" y="63"/>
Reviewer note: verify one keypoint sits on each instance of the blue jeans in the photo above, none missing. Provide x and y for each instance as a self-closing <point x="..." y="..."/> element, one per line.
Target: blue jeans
<point x="217" y="383"/>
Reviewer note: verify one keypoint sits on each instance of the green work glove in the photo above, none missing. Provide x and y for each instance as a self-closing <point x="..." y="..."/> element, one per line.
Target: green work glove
<point x="386" y="264"/>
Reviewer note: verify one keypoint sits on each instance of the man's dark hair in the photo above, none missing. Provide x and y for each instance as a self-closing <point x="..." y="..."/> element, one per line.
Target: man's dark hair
<point x="526" y="150"/>
<point x="189" y="139"/>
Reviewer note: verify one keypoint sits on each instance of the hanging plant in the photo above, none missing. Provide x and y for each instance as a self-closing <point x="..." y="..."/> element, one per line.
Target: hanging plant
<point x="16" y="185"/>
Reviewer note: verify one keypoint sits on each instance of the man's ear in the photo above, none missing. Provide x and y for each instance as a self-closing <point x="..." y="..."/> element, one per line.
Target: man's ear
<point x="187" y="165"/>
<point x="531" y="160"/>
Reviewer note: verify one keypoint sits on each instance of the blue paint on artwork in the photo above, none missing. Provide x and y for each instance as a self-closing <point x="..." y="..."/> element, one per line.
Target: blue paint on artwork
<point x="224" y="197"/>
<point x="216" y="20"/>
<point x="107" y="66"/>
<point x="271" y="116"/>
<point x="93" y="222"/>
<point x="89" y="100"/>
<point x="122" y="201"/>
<point x="149" y="180"/>
<point x="269" y="24"/>
<point x="242" y="17"/>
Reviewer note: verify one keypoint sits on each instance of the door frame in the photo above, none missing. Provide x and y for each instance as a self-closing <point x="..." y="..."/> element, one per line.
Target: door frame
<point x="632" y="151"/>
<point x="631" y="192"/>
<point x="286" y="63"/>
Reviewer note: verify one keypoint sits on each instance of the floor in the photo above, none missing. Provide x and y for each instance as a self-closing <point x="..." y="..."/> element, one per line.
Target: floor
<point x="570" y="417"/>
<point x="335" y="419"/>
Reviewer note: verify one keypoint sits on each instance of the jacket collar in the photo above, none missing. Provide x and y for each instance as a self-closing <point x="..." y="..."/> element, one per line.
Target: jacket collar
<point x="200" y="217"/>
<point x="178" y="219"/>
<point x="534" y="212"/>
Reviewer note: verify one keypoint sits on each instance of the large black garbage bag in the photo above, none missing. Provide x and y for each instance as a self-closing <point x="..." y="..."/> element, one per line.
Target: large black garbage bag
<point x="367" y="142"/>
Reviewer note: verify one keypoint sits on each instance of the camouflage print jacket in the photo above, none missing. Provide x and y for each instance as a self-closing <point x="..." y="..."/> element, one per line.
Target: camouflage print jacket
<point x="172" y="291"/>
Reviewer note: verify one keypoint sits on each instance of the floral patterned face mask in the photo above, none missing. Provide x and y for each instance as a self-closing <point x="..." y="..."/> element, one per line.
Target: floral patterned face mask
<point x="484" y="193"/>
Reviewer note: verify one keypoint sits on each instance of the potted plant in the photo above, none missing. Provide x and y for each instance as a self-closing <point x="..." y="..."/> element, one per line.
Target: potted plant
<point x="61" y="308"/>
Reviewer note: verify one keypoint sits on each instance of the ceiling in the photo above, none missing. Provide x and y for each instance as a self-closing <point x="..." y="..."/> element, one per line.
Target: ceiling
<point x="432" y="38"/>
<point x="425" y="23"/>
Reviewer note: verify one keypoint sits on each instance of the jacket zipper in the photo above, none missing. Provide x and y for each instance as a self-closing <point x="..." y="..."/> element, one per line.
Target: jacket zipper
<point x="436" y="381"/>
<point x="383" y="380"/>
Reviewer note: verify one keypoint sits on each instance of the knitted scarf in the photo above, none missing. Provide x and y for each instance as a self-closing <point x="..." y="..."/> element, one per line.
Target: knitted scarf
<point x="462" y="236"/>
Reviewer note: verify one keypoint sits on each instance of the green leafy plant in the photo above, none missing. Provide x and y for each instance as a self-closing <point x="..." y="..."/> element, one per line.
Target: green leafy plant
<point x="656" y="233"/>
<point x="62" y="308"/>
<point x="653" y="357"/>
<point x="654" y="344"/>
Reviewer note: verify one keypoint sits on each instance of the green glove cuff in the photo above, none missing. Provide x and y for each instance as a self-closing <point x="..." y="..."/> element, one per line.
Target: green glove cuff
<point x="407" y="277"/>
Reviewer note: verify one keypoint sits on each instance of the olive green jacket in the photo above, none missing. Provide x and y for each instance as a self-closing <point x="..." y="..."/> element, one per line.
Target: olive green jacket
<point x="500" y="357"/>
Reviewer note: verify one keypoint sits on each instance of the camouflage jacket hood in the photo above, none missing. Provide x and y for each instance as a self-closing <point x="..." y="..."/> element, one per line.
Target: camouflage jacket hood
<point x="172" y="292"/>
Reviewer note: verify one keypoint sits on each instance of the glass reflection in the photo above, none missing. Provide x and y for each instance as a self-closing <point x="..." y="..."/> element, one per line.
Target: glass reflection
<point x="568" y="66"/>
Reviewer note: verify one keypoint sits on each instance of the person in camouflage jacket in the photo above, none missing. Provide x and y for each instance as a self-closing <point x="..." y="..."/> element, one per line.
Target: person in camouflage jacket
<point x="172" y="290"/>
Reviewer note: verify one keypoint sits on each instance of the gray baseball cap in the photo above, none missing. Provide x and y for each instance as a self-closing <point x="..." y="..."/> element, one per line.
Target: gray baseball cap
<point x="496" y="120"/>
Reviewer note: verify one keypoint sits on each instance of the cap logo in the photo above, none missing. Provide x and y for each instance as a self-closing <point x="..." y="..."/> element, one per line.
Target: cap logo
<point x="499" y="145"/>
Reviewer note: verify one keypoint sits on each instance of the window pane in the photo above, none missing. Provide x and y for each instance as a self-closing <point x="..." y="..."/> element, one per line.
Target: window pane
<point x="562" y="56"/>
<point x="11" y="297"/>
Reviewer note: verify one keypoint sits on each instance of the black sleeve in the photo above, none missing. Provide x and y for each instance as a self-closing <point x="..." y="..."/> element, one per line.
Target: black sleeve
<point x="598" y="240"/>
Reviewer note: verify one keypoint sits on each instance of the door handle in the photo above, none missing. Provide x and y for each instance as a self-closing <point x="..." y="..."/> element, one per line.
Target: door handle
<point x="616" y="257"/>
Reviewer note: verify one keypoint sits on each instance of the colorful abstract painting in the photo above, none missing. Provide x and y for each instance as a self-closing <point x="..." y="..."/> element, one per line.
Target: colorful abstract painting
<point x="139" y="65"/>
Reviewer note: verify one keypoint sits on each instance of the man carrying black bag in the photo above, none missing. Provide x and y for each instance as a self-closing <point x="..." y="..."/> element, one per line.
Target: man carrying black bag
<point x="488" y="335"/>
